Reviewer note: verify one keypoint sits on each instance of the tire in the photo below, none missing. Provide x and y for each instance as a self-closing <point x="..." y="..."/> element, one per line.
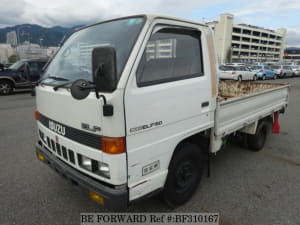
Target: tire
<point x="275" y="77"/>
<point x="254" y="78"/>
<point x="257" y="141"/>
<point x="264" y="77"/>
<point x="6" y="87"/>
<point x="240" y="78"/>
<point x="185" y="172"/>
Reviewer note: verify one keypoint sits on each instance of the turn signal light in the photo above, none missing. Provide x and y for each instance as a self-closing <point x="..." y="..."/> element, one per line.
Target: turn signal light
<point x="40" y="156"/>
<point x="113" y="145"/>
<point x="36" y="115"/>
<point x="96" y="197"/>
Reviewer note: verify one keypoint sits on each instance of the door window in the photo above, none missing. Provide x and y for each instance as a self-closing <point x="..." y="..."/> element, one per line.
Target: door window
<point x="267" y="67"/>
<point x="33" y="67"/>
<point x="171" y="54"/>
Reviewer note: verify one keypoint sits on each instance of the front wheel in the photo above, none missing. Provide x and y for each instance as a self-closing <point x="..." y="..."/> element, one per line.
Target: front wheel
<point x="185" y="172"/>
<point x="6" y="87"/>
<point x="275" y="77"/>
<point x="264" y="77"/>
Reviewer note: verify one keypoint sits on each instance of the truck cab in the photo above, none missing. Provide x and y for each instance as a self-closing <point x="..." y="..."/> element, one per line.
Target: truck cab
<point x="21" y="74"/>
<point x="123" y="107"/>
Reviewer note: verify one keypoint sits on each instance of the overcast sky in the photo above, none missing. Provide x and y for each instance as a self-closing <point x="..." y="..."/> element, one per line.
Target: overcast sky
<point x="265" y="13"/>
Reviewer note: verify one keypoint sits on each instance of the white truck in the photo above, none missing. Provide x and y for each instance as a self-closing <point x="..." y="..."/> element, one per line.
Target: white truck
<point x="133" y="106"/>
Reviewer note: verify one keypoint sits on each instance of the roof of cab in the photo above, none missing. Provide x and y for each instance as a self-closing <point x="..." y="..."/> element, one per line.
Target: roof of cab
<point x="158" y="16"/>
<point x="150" y="17"/>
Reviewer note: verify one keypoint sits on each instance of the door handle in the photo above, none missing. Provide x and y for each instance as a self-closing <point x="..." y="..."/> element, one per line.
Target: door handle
<point x="205" y="104"/>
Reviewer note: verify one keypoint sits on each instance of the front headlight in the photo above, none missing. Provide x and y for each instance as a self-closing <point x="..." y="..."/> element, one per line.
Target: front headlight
<point x="94" y="166"/>
<point x="103" y="169"/>
<point x="85" y="162"/>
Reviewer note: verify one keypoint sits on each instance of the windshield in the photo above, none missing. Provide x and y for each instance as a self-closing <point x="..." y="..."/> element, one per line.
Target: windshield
<point x="74" y="60"/>
<point x="256" y="67"/>
<point x="275" y="67"/>
<point x="227" y="68"/>
<point x="16" y="65"/>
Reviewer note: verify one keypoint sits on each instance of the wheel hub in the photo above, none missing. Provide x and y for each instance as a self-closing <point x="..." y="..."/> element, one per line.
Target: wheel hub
<point x="184" y="175"/>
<point x="4" y="88"/>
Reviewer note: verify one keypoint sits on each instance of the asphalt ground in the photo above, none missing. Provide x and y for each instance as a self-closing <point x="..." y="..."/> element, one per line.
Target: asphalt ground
<point x="246" y="188"/>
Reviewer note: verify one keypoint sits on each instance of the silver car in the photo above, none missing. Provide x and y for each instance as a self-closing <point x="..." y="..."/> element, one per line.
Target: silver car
<point x="283" y="70"/>
<point x="296" y="70"/>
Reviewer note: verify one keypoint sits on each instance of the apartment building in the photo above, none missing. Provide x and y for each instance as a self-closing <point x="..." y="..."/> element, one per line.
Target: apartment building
<point x="247" y="43"/>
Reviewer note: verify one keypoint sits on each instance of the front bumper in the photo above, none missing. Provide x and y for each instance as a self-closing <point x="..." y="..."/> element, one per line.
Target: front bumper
<point x="114" y="198"/>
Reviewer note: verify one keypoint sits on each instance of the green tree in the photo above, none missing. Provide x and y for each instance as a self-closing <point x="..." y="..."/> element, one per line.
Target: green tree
<point x="13" y="58"/>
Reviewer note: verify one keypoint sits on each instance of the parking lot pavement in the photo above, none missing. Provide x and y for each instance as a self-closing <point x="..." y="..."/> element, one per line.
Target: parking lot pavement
<point x="246" y="188"/>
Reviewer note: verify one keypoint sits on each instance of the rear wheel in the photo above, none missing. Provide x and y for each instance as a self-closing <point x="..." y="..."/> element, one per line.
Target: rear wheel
<point x="240" y="78"/>
<point x="257" y="141"/>
<point x="275" y="77"/>
<point x="6" y="87"/>
<point x="264" y="77"/>
<point x="254" y="78"/>
<point x="185" y="172"/>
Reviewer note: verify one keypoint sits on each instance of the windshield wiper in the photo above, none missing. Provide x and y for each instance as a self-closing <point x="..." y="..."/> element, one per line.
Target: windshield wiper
<point x="55" y="88"/>
<point x="52" y="77"/>
<point x="57" y="78"/>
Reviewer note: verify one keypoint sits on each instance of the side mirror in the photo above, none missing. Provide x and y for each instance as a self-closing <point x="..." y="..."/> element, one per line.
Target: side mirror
<point x="104" y="69"/>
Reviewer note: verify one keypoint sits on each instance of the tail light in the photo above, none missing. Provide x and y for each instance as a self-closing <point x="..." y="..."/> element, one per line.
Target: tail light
<point x="260" y="71"/>
<point x="297" y="70"/>
<point x="233" y="72"/>
<point x="113" y="145"/>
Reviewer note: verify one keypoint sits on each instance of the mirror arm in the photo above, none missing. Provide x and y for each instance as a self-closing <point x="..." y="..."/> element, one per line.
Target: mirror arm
<point x="104" y="99"/>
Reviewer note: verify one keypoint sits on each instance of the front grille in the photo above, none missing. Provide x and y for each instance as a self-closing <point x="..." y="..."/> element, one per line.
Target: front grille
<point x="61" y="150"/>
<point x="82" y="137"/>
<point x="58" y="149"/>
<point x="71" y="156"/>
<point x="64" y="152"/>
<point x="48" y="142"/>
<point x="53" y="145"/>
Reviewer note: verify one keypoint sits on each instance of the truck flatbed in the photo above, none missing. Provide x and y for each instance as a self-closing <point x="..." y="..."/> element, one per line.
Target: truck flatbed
<point x="242" y="103"/>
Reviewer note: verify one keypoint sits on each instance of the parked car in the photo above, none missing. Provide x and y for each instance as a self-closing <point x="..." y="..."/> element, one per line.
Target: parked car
<point x="238" y="73"/>
<point x="264" y="72"/>
<point x="296" y="70"/>
<point x="22" y="74"/>
<point x="282" y="70"/>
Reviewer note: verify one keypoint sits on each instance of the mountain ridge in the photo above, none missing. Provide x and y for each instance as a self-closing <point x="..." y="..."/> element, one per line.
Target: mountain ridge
<point x="47" y="36"/>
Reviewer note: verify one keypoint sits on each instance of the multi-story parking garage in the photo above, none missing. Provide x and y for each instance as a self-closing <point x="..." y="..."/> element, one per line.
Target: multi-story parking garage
<point x="246" y="43"/>
<point x="292" y="55"/>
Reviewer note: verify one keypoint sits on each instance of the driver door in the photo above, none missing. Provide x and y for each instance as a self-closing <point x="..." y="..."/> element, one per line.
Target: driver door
<point x="33" y="71"/>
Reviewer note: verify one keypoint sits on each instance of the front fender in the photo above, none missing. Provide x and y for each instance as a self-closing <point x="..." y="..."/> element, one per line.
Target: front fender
<point x="8" y="78"/>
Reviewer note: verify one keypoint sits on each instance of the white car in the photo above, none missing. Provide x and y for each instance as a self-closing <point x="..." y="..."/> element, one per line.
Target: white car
<point x="283" y="70"/>
<point x="238" y="73"/>
<point x="296" y="70"/>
